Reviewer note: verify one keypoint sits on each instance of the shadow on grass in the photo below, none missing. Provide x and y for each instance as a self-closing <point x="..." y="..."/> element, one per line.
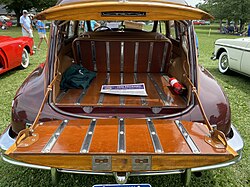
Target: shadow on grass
<point x="10" y="72"/>
<point x="34" y="177"/>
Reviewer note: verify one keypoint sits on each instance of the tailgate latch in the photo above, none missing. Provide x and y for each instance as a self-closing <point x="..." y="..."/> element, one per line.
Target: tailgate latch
<point x="101" y="163"/>
<point x="141" y="163"/>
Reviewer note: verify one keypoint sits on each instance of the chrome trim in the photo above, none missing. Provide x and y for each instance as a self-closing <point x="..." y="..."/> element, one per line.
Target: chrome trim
<point x="121" y="137"/>
<point x="108" y="56"/>
<point x="220" y="165"/>
<point x="61" y="95"/>
<point x="122" y="98"/>
<point x="150" y="54"/>
<point x="101" y="98"/>
<point x="17" y="163"/>
<point x="163" y="62"/>
<point x="141" y="163"/>
<point x="6" y="140"/>
<point x="233" y="47"/>
<point x="159" y="91"/>
<point x="131" y="174"/>
<point x="143" y="100"/>
<point x="101" y="163"/>
<point x="136" y="56"/>
<point x="122" y="57"/>
<point x="154" y="137"/>
<point x="88" y="138"/>
<point x="236" y="142"/>
<point x="121" y="179"/>
<point x="78" y="101"/>
<point x="93" y="51"/>
<point x="79" y="51"/>
<point x="48" y="147"/>
<point x="188" y="138"/>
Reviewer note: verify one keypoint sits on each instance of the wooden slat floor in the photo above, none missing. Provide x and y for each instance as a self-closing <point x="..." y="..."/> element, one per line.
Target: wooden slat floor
<point x="92" y="94"/>
<point x="105" y="137"/>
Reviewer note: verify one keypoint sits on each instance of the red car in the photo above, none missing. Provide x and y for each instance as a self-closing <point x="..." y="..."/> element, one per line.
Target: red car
<point x="14" y="52"/>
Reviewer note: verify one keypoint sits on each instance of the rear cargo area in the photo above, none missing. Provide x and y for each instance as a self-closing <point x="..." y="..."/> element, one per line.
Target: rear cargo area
<point x="125" y="58"/>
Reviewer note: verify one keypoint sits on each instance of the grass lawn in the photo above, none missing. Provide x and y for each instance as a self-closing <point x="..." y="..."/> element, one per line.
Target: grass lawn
<point x="237" y="88"/>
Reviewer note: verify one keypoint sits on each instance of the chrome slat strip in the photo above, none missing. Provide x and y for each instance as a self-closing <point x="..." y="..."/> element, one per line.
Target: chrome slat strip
<point x="155" y="139"/>
<point x="121" y="137"/>
<point x="79" y="51"/>
<point x="143" y="100"/>
<point x="163" y="63"/>
<point x="108" y="56"/>
<point x="78" y="101"/>
<point x="159" y="91"/>
<point x="151" y="48"/>
<point x="188" y="138"/>
<point x="87" y="140"/>
<point x="136" y="56"/>
<point x="122" y="57"/>
<point x="61" y="95"/>
<point x="93" y="50"/>
<point x="101" y="98"/>
<point x="50" y="144"/>
<point x="122" y="98"/>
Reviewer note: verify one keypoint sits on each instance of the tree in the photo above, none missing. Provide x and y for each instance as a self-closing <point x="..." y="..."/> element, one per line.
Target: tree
<point x="19" y="5"/>
<point x="237" y="10"/>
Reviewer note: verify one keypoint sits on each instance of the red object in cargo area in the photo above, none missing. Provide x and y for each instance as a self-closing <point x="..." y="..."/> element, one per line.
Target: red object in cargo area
<point x="176" y="85"/>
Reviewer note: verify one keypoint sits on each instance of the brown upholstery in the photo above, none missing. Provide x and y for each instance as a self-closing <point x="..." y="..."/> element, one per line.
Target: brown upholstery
<point x="123" y="52"/>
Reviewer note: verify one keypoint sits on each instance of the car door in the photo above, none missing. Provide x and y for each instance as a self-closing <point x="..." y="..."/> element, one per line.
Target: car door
<point x="235" y="50"/>
<point x="245" y="61"/>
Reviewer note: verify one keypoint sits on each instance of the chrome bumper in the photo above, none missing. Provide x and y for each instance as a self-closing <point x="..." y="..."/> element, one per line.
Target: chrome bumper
<point x="236" y="142"/>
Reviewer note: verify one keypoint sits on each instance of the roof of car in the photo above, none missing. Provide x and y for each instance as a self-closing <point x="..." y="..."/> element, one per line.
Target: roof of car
<point x="61" y="2"/>
<point x="122" y="10"/>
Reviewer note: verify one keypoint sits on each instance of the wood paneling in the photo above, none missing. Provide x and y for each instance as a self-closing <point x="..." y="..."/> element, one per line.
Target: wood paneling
<point x="66" y="150"/>
<point x="155" y="10"/>
<point x="174" y="142"/>
<point x="122" y="163"/>
<point x="137" y="137"/>
<point x="105" y="138"/>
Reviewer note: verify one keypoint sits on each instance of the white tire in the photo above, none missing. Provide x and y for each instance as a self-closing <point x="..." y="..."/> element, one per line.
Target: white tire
<point x="224" y="63"/>
<point x="25" y="59"/>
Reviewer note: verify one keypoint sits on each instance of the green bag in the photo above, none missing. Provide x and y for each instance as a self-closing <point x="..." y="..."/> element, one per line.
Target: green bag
<point x="76" y="76"/>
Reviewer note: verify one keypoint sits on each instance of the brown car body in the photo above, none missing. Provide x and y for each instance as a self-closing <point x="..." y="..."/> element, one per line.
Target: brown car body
<point x="30" y="106"/>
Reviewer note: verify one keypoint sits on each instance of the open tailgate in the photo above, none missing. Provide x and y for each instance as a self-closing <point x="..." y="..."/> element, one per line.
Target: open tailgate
<point x="120" y="145"/>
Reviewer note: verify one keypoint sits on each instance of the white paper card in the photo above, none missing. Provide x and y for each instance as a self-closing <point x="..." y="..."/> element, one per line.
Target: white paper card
<point x="125" y="89"/>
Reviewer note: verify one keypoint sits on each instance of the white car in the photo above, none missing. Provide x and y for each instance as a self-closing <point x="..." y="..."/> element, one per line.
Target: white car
<point x="233" y="55"/>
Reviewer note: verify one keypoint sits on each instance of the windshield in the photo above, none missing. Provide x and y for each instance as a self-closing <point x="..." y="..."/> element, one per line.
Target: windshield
<point x="117" y="25"/>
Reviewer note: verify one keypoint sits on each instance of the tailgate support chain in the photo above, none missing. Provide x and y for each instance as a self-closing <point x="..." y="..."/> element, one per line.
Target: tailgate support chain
<point x="186" y="136"/>
<point x="28" y="134"/>
<point x="216" y="139"/>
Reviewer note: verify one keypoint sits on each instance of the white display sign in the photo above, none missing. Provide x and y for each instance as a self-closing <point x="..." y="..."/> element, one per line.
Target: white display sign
<point x="125" y="89"/>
